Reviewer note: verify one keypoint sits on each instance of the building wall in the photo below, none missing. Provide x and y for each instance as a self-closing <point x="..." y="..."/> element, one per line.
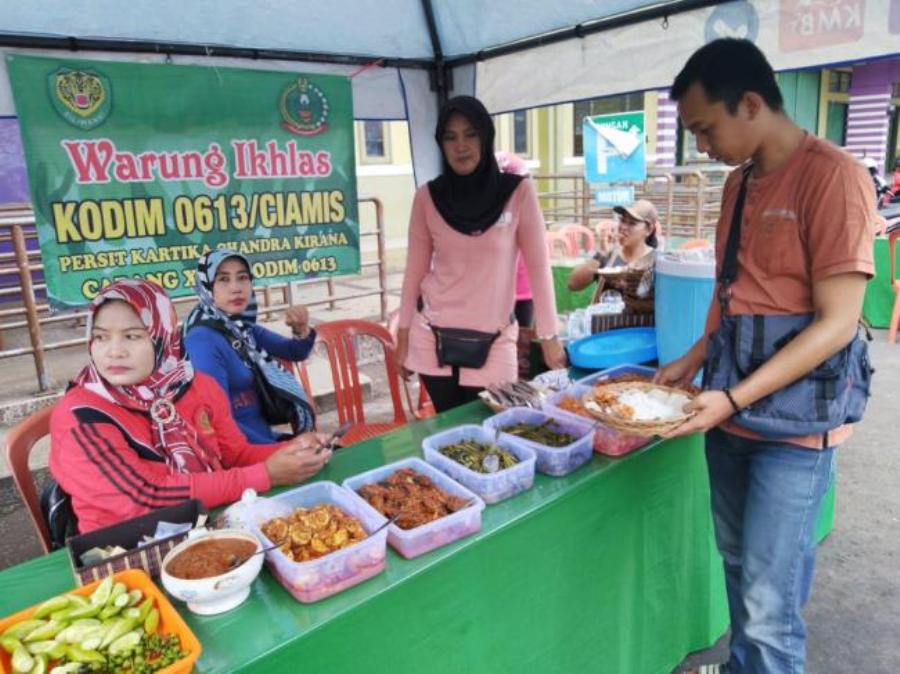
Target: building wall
<point x="867" y="107"/>
<point x="869" y="114"/>
<point x="391" y="181"/>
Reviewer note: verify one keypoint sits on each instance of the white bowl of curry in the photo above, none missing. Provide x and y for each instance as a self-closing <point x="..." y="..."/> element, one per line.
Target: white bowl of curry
<point x="212" y="571"/>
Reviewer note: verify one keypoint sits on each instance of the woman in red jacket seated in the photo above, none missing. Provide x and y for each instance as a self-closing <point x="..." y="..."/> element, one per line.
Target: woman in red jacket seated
<point x="138" y="429"/>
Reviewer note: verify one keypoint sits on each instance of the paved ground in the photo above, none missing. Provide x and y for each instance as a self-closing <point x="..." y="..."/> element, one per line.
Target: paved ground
<point x="854" y="613"/>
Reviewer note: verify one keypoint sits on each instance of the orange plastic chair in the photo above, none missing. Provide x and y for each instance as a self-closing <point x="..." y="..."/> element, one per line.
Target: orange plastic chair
<point x="581" y="238"/>
<point x="895" y="284"/>
<point x="338" y="337"/>
<point x="19" y="444"/>
<point x="557" y="242"/>
<point x="695" y="244"/>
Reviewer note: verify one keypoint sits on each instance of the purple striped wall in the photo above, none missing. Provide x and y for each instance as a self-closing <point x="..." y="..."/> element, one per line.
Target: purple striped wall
<point x="666" y="128"/>
<point x="867" y="115"/>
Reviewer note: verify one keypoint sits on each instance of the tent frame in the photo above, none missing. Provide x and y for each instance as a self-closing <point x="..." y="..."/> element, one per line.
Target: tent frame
<point x="439" y="67"/>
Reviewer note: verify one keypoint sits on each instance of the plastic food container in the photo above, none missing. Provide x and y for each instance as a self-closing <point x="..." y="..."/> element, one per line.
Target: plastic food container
<point x="414" y="542"/>
<point x="492" y="487"/>
<point x="170" y="622"/>
<point x="319" y="578"/>
<point x="616" y="371"/>
<point x="606" y="440"/>
<point x="550" y="460"/>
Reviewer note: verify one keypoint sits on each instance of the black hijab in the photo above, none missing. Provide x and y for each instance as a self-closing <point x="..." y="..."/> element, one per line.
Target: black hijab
<point x="471" y="204"/>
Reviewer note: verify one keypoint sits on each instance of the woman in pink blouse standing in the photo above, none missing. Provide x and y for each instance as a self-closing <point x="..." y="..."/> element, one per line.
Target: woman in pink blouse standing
<point x="466" y="229"/>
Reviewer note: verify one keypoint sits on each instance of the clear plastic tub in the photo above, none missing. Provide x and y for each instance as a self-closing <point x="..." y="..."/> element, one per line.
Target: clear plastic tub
<point x="606" y="440"/>
<point x="616" y="371"/>
<point x="554" y="461"/>
<point x="414" y="542"/>
<point x="319" y="578"/>
<point x="492" y="487"/>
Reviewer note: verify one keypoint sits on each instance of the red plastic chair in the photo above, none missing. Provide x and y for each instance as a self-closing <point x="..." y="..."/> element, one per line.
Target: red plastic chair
<point x="895" y="285"/>
<point x="338" y="337"/>
<point x="19" y="444"/>
<point x="580" y="238"/>
<point x="557" y="242"/>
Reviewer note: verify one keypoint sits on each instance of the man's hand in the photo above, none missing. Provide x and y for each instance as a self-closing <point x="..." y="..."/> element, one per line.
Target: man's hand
<point x="710" y="409"/>
<point x="680" y="373"/>
<point x="297" y="319"/>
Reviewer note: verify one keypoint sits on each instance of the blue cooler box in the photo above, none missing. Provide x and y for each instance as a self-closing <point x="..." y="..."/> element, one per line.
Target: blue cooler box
<point x="684" y="290"/>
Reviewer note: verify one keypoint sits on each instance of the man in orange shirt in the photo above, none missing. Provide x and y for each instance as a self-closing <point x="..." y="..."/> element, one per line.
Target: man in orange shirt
<point x="805" y="248"/>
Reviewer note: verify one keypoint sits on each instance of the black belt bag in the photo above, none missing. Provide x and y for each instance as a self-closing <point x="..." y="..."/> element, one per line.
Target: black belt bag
<point x="460" y="347"/>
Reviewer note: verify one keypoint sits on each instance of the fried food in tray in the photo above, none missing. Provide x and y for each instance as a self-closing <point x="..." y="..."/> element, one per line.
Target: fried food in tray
<point x="414" y="496"/>
<point x="573" y="405"/>
<point x="310" y="533"/>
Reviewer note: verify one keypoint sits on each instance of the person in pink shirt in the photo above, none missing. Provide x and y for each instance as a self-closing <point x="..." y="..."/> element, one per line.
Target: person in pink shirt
<point x="466" y="230"/>
<point x="524" y="307"/>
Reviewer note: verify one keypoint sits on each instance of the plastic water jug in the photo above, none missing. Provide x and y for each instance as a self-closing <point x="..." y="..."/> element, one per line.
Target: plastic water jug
<point x="684" y="290"/>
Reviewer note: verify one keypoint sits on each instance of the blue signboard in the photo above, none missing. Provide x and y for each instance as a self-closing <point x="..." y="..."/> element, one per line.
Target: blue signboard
<point x="614" y="148"/>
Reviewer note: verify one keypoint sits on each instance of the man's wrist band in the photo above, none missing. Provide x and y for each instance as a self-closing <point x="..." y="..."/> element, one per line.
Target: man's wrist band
<point x="727" y="392"/>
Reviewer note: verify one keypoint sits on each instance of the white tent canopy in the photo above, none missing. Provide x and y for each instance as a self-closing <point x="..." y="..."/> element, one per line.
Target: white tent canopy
<point x="512" y="54"/>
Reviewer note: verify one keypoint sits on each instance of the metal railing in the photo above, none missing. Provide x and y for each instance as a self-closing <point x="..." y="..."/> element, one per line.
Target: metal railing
<point x="687" y="198"/>
<point x="17" y="226"/>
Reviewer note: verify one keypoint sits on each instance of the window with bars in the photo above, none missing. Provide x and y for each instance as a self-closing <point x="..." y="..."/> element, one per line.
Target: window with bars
<point x="521" y="144"/>
<point x="374" y="140"/>
<point x="839" y="81"/>
<point x="601" y="106"/>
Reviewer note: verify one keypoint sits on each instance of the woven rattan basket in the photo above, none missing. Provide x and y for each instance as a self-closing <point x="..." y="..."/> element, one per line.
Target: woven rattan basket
<point x="632" y="426"/>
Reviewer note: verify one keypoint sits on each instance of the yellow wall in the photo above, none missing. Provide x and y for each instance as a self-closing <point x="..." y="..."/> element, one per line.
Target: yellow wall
<point x="392" y="182"/>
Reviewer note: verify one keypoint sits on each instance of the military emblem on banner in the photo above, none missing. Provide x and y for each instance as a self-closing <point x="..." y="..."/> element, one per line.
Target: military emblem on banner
<point x="81" y="97"/>
<point x="304" y="108"/>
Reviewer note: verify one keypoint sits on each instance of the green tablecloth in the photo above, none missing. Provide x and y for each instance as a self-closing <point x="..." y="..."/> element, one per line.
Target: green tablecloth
<point x="609" y="569"/>
<point x="568" y="300"/>
<point x="879" y="299"/>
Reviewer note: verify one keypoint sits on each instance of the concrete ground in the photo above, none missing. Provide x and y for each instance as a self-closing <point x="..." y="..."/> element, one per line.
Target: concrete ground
<point x="854" y="613"/>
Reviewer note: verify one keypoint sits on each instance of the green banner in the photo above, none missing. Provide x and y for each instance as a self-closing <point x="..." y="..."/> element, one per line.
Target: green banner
<point x="137" y="169"/>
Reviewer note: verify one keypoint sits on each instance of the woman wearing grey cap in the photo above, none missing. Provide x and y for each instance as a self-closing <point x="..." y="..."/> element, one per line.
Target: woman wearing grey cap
<point x="635" y="249"/>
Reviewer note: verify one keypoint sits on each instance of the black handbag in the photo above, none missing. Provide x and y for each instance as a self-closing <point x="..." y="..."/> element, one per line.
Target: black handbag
<point x="460" y="347"/>
<point x="276" y="409"/>
<point x="56" y="507"/>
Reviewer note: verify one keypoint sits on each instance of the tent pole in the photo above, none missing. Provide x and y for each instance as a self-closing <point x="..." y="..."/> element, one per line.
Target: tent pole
<point x="662" y="10"/>
<point x="188" y="49"/>
<point x="440" y="73"/>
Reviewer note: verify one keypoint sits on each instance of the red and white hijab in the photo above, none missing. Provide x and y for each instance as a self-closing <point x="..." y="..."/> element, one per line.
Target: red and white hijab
<point x="175" y="440"/>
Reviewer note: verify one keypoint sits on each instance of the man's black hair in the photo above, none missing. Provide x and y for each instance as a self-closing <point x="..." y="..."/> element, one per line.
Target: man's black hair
<point x="727" y="69"/>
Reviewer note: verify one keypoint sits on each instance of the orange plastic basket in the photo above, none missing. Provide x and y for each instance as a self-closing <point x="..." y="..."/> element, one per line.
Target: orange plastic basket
<point x="169" y="620"/>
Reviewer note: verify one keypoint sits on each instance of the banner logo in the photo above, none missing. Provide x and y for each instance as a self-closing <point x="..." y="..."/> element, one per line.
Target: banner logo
<point x="82" y="98"/>
<point x="303" y="108"/>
